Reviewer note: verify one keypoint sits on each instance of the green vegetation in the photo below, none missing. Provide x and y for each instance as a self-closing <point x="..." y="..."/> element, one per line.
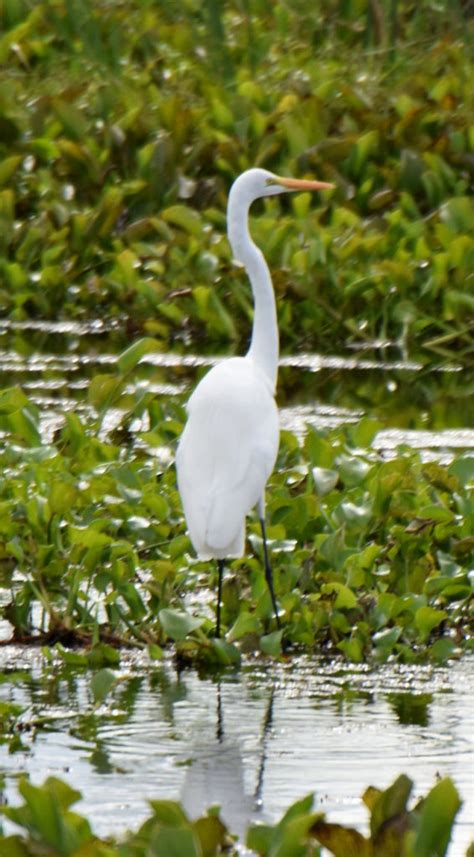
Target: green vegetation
<point x="371" y="557"/>
<point x="118" y="142"/>
<point x="123" y="124"/>
<point x="49" y="826"/>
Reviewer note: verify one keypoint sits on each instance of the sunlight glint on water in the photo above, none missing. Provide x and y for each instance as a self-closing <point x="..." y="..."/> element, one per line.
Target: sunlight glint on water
<point x="295" y="728"/>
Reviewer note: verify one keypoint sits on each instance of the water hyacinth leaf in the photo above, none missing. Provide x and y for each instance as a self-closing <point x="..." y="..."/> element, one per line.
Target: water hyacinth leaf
<point x="427" y="619"/>
<point x="385" y="640"/>
<point x="270" y="644"/>
<point x="458" y="214"/>
<point x="46" y="815"/>
<point x="355" y="516"/>
<point x="389" y="803"/>
<point x="175" y="842"/>
<point x="102" y="654"/>
<point x="155" y="652"/>
<point x="102" y="390"/>
<point x="300" y="807"/>
<point x="259" y="838"/>
<point x="341" y="841"/>
<point x="169" y="813"/>
<point x="365" y="146"/>
<point x="107" y="213"/>
<point x="177" y="624"/>
<point x="294" y="830"/>
<point x="61" y="497"/>
<point x="225" y="653"/>
<point x="211" y="833"/>
<point x="24" y="425"/>
<point x="353" y="649"/>
<point x="463" y="469"/>
<point x="345" y="598"/>
<point x="17" y="34"/>
<point x="442" y="650"/>
<point x="324" y="479"/>
<point x="246" y="623"/>
<point x="12" y="400"/>
<point x="438" y="812"/>
<point x="89" y="537"/>
<point x="352" y="470"/>
<point x="184" y="217"/>
<point x="319" y="450"/>
<point x="101" y="684"/>
<point x="363" y="433"/>
<point x="132" y="355"/>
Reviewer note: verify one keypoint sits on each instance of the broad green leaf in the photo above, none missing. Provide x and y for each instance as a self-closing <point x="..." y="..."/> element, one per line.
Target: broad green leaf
<point x="259" y="838"/>
<point x="184" y="217"/>
<point x="463" y="469"/>
<point x="102" y="390"/>
<point x="226" y="653"/>
<point x="341" y="841"/>
<point x="345" y="598"/>
<point x="438" y="813"/>
<point x="390" y="803"/>
<point x="177" y="624"/>
<point x="246" y="623"/>
<point x="211" y="833"/>
<point x="169" y="813"/>
<point x="270" y="644"/>
<point x="175" y="842"/>
<point x="134" y="353"/>
<point x="427" y="619"/>
<point x="324" y="479"/>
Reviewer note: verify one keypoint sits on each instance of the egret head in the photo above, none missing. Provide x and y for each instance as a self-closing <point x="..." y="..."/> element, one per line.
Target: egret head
<point x="256" y="183"/>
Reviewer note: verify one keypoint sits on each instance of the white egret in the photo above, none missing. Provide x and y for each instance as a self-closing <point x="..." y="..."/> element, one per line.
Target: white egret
<point x="230" y="442"/>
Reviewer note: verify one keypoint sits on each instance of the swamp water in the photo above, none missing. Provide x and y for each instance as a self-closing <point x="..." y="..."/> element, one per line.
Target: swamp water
<point x="264" y="736"/>
<point x="253" y="741"/>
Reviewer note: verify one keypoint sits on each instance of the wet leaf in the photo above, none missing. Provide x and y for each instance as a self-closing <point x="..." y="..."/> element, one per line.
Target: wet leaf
<point x="270" y="644"/>
<point x="181" y="842"/>
<point x="129" y="358"/>
<point x="341" y="841"/>
<point x="427" y="619"/>
<point x="324" y="479"/>
<point x="177" y="624"/>
<point x="211" y="833"/>
<point x="438" y="812"/>
<point x="388" y="804"/>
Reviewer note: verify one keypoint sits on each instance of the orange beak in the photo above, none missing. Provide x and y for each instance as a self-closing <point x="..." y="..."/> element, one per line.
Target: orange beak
<point x="303" y="184"/>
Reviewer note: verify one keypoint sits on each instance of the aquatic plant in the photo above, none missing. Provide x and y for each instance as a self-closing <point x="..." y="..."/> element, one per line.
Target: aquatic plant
<point x="372" y="557"/>
<point x="118" y="143"/>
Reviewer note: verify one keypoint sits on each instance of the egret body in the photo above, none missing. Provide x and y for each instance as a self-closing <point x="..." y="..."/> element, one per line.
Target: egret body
<point x="230" y="442"/>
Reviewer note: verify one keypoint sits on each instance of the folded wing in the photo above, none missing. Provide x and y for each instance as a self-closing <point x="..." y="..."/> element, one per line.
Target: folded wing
<point x="226" y="454"/>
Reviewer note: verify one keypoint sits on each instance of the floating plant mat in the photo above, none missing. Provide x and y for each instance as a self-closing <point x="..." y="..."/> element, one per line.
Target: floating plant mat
<point x="371" y="541"/>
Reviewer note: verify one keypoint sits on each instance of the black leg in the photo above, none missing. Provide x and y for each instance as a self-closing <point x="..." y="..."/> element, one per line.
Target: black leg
<point x="269" y="573"/>
<point x="220" y="566"/>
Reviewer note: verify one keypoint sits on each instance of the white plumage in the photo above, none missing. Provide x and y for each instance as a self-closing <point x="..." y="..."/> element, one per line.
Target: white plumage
<point x="230" y="442"/>
<point x="226" y="454"/>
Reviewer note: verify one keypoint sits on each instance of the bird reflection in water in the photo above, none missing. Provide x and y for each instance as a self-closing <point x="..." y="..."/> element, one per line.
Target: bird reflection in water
<point x="216" y="774"/>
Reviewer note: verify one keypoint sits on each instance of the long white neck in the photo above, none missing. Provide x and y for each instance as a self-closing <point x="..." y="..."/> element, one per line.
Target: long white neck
<point x="264" y="343"/>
